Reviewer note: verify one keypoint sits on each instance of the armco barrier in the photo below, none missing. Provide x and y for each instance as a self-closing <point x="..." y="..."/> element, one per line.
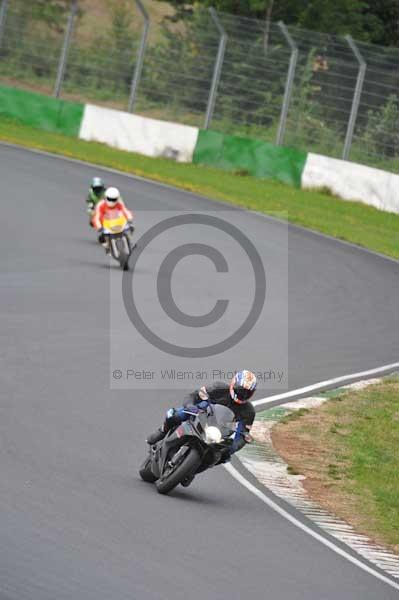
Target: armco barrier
<point x="42" y="112"/>
<point x="258" y="158"/>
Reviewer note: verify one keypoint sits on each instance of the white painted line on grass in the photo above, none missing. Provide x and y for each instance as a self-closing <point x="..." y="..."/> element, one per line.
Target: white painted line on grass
<point x="325" y="384"/>
<point x="320" y="538"/>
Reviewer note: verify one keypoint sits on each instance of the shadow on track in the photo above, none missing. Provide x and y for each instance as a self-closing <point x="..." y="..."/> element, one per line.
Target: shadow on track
<point x="193" y="496"/>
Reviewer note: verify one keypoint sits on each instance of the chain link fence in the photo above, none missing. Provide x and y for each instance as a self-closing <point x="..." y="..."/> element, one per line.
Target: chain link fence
<point x="318" y="92"/>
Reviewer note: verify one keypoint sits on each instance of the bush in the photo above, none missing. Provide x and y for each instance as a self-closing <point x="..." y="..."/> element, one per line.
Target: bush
<point x="381" y="135"/>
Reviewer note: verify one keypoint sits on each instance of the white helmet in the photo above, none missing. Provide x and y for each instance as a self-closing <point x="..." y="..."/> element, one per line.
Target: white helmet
<point x="112" y="196"/>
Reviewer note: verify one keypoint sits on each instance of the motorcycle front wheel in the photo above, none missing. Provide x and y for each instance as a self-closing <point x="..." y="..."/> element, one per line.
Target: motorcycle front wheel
<point x="124" y="249"/>
<point x="176" y="475"/>
<point x="145" y="471"/>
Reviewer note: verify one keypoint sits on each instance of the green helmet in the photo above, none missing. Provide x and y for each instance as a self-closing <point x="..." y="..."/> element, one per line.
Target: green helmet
<point x="97" y="185"/>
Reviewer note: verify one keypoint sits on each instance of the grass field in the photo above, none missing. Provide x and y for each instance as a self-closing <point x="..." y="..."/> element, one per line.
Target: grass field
<point x="351" y="221"/>
<point x="348" y="451"/>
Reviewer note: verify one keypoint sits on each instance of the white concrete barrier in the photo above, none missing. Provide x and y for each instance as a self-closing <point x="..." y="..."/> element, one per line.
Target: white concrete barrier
<point x="347" y="180"/>
<point x="351" y="181"/>
<point x="138" y="134"/>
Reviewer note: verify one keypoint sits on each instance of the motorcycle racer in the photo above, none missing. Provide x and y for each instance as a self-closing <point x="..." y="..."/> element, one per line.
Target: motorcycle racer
<point x="110" y="207"/>
<point x="236" y="396"/>
<point x="95" y="195"/>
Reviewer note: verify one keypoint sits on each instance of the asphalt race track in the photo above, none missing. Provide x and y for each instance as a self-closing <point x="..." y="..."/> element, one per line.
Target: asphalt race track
<point x="76" y="522"/>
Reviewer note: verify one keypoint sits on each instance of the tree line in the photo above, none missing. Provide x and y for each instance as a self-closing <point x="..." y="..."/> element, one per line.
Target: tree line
<point x="179" y="64"/>
<point x="373" y="21"/>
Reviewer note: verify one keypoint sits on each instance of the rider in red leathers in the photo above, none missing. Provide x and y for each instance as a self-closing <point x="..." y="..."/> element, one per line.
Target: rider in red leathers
<point x="110" y="207"/>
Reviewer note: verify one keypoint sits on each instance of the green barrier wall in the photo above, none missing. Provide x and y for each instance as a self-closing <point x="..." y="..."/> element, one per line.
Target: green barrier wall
<point x="42" y="112"/>
<point x="260" y="159"/>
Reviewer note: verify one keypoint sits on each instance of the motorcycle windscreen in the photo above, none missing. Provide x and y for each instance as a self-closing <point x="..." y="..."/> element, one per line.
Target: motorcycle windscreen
<point x="221" y="417"/>
<point x="115" y="223"/>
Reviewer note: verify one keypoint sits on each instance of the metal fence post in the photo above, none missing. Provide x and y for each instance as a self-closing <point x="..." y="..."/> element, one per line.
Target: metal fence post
<point x="288" y="84"/>
<point x="140" y="56"/>
<point x="217" y="68"/>
<point x="356" y="96"/>
<point x="3" y="14"/>
<point x="65" y="48"/>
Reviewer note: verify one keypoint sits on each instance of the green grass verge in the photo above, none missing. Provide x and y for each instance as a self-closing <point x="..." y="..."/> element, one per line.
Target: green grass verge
<point x="352" y="454"/>
<point x="351" y="221"/>
<point x="367" y="432"/>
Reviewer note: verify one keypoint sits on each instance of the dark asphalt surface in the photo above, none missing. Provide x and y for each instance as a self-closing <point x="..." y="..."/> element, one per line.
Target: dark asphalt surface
<point x="75" y="519"/>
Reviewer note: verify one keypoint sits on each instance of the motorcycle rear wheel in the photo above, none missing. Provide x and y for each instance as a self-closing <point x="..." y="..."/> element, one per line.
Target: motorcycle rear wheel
<point x="189" y="465"/>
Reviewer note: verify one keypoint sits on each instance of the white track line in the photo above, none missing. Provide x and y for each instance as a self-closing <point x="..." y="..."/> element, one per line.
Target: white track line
<point x="281" y="511"/>
<point x="325" y="384"/>
<point x="317" y="536"/>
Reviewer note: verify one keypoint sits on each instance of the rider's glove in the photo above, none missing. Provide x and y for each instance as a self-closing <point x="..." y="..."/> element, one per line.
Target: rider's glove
<point x="203" y="405"/>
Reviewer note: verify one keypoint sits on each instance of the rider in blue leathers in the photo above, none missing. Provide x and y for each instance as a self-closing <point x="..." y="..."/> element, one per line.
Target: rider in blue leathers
<point x="235" y="396"/>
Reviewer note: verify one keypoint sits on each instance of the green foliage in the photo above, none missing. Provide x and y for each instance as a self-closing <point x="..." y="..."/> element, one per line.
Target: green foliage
<point x="381" y="135"/>
<point x="334" y="16"/>
<point x="103" y="69"/>
<point x="245" y="96"/>
<point x="304" y="108"/>
<point x="287" y="10"/>
<point x="382" y="23"/>
<point x="367" y="20"/>
<point x="29" y="29"/>
<point x="120" y="42"/>
<point x="121" y="25"/>
<point x="251" y="8"/>
<point x="178" y="71"/>
<point x="308" y="124"/>
<point x="51" y="12"/>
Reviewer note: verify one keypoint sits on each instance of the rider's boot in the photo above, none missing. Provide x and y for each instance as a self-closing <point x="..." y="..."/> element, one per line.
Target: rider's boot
<point x="155" y="437"/>
<point x="172" y="420"/>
